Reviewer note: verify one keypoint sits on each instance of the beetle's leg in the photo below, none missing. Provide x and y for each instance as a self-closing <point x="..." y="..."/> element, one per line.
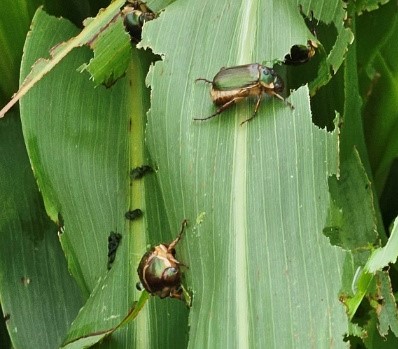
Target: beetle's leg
<point x="176" y="293"/>
<point x="175" y="242"/>
<point x="272" y="93"/>
<point x="203" y="79"/>
<point x="222" y="108"/>
<point x="255" y="110"/>
<point x="186" y="296"/>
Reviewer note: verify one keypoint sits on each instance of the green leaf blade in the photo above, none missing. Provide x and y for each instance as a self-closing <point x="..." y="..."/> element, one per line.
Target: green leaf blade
<point x="82" y="167"/>
<point x="258" y="262"/>
<point x="36" y="290"/>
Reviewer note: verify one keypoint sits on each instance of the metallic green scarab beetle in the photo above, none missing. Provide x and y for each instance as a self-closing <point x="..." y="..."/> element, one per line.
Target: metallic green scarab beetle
<point x="136" y="14"/>
<point x="231" y="85"/>
<point x="300" y="54"/>
<point x="159" y="270"/>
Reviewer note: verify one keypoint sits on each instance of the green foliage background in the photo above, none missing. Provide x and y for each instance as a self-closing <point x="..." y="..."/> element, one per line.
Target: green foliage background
<point x="285" y="225"/>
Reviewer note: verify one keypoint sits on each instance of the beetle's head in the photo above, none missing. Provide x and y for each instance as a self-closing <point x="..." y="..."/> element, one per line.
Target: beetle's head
<point x="278" y="83"/>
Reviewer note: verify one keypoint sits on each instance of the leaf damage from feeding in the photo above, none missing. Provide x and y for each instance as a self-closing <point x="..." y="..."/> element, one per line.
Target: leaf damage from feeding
<point x="385" y="304"/>
<point x="346" y="226"/>
<point x="44" y="66"/>
<point x="112" y="53"/>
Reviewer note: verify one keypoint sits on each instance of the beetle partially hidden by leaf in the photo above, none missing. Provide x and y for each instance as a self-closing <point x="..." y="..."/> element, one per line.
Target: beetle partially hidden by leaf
<point x="234" y="84"/>
<point x="159" y="270"/>
<point x="300" y="54"/>
<point x="136" y="14"/>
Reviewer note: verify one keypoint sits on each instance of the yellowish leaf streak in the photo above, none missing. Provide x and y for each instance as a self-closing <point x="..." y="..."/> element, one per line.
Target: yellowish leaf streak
<point x="137" y="194"/>
<point x="246" y="43"/>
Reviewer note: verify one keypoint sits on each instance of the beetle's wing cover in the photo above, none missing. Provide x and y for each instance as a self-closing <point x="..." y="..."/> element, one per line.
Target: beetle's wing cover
<point x="237" y="77"/>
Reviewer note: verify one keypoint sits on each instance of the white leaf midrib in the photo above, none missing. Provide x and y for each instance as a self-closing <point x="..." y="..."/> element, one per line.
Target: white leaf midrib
<point x="246" y="42"/>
